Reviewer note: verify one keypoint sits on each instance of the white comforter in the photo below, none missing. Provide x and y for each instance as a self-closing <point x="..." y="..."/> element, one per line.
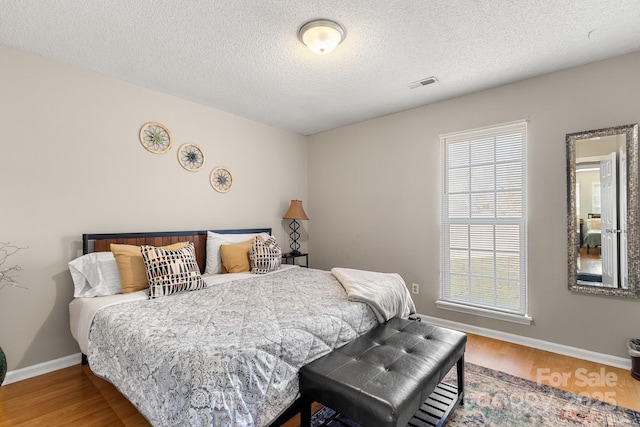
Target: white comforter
<point x="227" y="355"/>
<point x="385" y="293"/>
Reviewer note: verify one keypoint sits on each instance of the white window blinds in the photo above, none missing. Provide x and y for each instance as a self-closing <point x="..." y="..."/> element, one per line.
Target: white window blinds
<point x="483" y="241"/>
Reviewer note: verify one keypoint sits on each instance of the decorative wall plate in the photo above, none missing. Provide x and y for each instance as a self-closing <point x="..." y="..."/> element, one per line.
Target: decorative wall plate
<point x="221" y="179"/>
<point x="156" y="138"/>
<point x="191" y="157"/>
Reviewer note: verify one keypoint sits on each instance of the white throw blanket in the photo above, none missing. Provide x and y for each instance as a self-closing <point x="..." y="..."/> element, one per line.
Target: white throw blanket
<point x="385" y="293"/>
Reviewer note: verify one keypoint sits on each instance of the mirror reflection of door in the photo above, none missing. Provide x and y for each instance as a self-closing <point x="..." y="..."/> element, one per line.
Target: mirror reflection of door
<point x="601" y="209"/>
<point x="622" y="215"/>
<point x="609" y="220"/>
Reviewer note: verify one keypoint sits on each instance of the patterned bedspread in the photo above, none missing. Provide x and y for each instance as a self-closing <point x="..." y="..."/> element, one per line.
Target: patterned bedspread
<point x="227" y="355"/>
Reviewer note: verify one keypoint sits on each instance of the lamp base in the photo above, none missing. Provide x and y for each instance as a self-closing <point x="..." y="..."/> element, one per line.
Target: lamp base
<point x="294" y="235"/>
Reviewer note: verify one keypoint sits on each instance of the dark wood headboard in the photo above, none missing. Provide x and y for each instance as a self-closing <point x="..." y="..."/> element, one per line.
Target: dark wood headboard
<point x="102" y="242"/>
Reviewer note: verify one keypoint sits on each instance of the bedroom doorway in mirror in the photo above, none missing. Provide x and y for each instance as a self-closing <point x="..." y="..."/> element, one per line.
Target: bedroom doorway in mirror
<point x="601" y="211"/>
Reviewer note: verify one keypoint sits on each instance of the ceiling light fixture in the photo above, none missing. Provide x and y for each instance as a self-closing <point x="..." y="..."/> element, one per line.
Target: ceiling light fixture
<point x="321" y="35"/>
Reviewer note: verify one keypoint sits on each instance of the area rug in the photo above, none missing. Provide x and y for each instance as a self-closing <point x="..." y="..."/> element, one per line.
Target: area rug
<point x="497" y="399"/>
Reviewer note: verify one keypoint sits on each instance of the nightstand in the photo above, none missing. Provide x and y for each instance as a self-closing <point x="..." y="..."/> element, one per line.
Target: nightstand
<point x="291" y="258"/>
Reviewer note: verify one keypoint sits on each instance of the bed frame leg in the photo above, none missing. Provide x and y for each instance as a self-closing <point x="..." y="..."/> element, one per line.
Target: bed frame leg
<point x="84" y="359"/>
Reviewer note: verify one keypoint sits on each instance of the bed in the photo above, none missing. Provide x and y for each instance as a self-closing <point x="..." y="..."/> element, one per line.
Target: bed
<point x="592" y="237"/>
<point x="227" y="354"/>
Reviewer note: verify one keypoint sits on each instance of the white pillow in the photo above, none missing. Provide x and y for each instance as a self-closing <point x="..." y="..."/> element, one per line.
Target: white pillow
<point x="95" y="275"/>
<point x="214" y="240"/>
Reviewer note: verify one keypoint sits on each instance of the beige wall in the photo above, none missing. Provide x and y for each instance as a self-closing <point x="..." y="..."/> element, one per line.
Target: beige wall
<point x="71" y="163"/>
<point x="374" y="191"/>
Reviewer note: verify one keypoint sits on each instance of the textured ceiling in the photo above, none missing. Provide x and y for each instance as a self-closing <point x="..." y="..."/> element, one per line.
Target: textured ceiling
<point x="244" y="57"/>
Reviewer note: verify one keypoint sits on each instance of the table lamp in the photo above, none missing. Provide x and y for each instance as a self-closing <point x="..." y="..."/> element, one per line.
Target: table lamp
<point x="295" y="213"/>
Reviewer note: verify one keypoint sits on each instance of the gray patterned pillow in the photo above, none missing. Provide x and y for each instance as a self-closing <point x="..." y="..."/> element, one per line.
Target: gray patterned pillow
<point x="265" y="255"/>
<point x="170" y="272"/>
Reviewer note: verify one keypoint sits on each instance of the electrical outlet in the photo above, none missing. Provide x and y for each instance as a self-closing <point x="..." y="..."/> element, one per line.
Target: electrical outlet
<point x="415" y="288"/>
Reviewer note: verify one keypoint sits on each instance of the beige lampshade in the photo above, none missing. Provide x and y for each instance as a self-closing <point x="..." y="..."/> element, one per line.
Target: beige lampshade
<point x="295" y="211"/>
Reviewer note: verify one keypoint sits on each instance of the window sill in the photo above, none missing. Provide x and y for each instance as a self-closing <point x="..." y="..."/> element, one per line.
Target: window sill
<point x="477" y="311"/>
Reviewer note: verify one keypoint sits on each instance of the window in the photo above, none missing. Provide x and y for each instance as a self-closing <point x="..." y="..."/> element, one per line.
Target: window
<point x="483" y="230"/>
<point x="596" y="207"/>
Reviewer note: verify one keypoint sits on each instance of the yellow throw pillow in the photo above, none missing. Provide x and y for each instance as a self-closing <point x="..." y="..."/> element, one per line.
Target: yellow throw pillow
<point x="133" y="274"/>
<point x="235" y="258"/>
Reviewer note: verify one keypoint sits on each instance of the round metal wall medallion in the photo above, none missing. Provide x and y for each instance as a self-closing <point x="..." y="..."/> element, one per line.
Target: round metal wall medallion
<point x="221" y="179"/>
<point x="191" y="157"/>
<point x="156" y="138"/>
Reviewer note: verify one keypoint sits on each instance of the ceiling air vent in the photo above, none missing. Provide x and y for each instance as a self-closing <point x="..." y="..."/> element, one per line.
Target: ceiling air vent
<point x="422" y="82"/>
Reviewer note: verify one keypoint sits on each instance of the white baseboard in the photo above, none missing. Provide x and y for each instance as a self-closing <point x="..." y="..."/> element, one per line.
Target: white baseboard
<point x="579" y="353"/>
<point x="42" y="368"/>
<point x="605" y="359"/>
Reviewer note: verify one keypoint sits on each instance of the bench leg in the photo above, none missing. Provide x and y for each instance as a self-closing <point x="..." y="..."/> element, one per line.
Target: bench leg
<point x="460" y="375"/>
<point x="305" y="412"/>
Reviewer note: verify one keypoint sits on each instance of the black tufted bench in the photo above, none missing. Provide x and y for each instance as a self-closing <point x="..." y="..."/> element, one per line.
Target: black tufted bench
<point x="383" y="377"/>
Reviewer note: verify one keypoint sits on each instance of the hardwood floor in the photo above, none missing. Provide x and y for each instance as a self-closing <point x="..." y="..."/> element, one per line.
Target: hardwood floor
<point x="602" y="382"/>
<point x="74" y="396"/>
<point x="591" y="262"/>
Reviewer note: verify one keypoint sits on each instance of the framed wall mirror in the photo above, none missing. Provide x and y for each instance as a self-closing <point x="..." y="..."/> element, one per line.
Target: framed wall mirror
<point x="603" y="211"/>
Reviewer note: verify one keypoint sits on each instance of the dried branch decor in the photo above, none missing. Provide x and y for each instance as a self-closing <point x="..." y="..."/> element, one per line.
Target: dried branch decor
<point x="8" y="274"/>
